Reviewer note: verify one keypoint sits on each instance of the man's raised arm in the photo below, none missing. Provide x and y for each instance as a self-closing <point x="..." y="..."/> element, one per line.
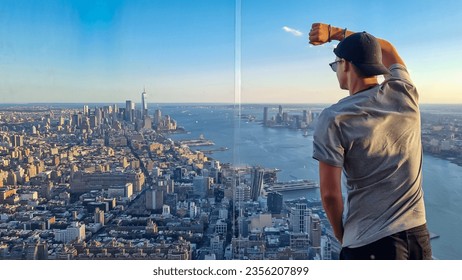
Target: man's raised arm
<point x="322" y="33"/>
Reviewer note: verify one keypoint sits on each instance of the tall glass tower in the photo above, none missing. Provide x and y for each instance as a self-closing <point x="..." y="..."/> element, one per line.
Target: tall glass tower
<point x="257" y="182"/>
<point x="144" y="102"/>
<point x="129" y="111"/>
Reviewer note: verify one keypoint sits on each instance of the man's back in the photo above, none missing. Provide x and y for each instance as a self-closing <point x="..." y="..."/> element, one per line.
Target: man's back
<point x="375" y="136"/>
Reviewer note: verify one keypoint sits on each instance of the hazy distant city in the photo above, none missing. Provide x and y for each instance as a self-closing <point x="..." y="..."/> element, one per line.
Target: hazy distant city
<point x="108" y="182"/>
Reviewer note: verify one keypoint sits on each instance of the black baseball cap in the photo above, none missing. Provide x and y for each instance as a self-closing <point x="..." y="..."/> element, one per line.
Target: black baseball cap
<point x="364" y="51"/>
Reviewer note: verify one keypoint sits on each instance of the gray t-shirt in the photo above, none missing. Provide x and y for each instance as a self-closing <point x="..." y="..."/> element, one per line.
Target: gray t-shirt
<point x="375" y="136"/>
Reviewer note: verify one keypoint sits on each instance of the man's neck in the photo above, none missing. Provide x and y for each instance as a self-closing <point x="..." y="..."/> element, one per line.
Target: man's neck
<point x="361" y="84"/>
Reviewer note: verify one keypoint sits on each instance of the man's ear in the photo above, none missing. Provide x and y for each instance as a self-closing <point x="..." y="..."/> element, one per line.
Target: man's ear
<point x="346" y="66"/>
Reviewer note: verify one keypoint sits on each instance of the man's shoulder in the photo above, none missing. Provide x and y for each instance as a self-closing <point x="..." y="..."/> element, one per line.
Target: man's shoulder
<point x="330" y="116"/>
<point x="398" y="72"/>
<point x="329" y="113"/>
<point x="346" y="105"/>
<point x="399" y="82"/>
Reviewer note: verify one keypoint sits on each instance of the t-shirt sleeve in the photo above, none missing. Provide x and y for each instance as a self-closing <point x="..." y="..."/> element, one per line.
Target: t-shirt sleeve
<point x="327" y="145"/>
<point x="399" y="72"/>
<point x="400" y="81"/>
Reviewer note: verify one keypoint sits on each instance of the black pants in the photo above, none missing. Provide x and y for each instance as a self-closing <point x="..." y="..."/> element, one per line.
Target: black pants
<point x="411" y="244"/>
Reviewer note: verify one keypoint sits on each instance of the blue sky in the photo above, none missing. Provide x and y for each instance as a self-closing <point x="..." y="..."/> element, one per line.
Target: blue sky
<point x="184" y="51"/>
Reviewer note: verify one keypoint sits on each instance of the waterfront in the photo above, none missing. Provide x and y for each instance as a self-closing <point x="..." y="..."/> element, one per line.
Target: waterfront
<point x="289" y="150"/>
<point x="232" y="134"/>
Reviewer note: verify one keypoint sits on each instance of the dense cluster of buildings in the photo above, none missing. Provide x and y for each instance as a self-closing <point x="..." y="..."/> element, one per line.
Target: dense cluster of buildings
<point x="442" y="135"/>
<point x="107" y="183"/>
<point x="284" y="119"/>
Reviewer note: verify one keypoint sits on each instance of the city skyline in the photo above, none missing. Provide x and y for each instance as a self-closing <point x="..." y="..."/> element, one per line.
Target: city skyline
<point x="117" y="173"/>
<point x="103" y="162"/>
<point x="186" y="51"/>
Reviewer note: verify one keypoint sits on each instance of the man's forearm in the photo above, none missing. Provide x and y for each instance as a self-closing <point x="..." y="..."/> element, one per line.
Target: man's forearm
<point x="334" y="211"/>
<point x="331" y="196"/>
<point x="337" y="33"/>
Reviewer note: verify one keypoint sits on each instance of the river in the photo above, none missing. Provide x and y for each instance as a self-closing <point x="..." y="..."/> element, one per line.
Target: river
<point x="250" y="143"/>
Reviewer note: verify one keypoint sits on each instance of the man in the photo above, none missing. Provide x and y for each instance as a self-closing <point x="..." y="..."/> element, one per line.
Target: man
<point x="373" y="136"/>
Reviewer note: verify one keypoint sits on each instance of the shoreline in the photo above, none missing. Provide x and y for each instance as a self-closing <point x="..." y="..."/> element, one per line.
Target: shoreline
<point x="455" y="159"/>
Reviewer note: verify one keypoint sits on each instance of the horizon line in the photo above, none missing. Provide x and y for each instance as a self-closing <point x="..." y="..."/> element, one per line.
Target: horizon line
<point x="197" y="103"/>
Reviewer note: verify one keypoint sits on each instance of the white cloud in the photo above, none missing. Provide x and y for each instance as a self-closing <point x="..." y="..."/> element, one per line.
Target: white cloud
<point x="292" y="31"/>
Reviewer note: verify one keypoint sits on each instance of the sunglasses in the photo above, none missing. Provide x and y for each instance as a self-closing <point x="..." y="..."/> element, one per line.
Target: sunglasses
<point x="334" y="65"/>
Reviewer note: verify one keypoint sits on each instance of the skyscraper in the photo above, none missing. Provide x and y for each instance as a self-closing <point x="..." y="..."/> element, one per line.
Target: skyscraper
<point x="98" y="116"/>
<point x="201" y="185"/>
<point x="157" y="117"/>
<point x="315" y="232"/>
<point x="129" y="111"/>
<point x="85" y="110"/>
<point x="241" y="195"/>
<point x="144" y="103"/>
<point x="279" y="115"/>
<point x="154" y="199"/>
<point x="275" y="202"/>
<point x="257" y="182"/>
<point x="300" y="218"/>
<point x="305" y="116"/>
<point x="300" y="222"/>
<point x="265" y="116"/>
<point x="115" y="110"/>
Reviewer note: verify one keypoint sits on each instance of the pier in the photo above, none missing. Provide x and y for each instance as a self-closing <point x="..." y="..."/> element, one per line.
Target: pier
<point x="292" y="186"/>
<point x="196" y="142"/>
